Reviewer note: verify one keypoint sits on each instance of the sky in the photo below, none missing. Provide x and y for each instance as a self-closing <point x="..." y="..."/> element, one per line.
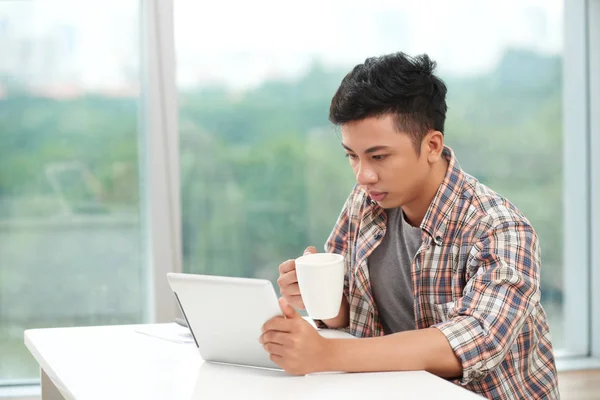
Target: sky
<point x="465" y="37"/>
<point x="241" y="43"/>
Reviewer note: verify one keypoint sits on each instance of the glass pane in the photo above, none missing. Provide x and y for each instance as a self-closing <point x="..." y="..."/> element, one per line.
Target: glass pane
<point x="263" y="174"/>
<point x="70" y="229"/>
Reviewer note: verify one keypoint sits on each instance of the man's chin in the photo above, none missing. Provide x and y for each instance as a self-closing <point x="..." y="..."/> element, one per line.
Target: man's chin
<point x="388" y="203"/>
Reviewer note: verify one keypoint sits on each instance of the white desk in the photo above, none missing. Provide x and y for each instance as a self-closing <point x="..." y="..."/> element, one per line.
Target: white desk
<point x="119" y="363"/>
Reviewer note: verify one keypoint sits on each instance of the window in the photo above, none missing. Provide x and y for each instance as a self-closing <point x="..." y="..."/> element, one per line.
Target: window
<point x="262" y="171"/>
<point x="84" y="155"/>
<point x="71" y="243"/>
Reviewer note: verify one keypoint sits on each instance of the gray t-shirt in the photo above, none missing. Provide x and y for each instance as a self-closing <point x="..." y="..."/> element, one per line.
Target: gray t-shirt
<point x="390" y="273"/>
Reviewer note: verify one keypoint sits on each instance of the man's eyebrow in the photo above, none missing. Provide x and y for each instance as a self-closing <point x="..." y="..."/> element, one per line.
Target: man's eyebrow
<point x="369" y="150"/>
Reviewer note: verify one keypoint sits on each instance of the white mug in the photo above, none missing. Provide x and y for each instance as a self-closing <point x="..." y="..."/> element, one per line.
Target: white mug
<point x="321" y="281"/>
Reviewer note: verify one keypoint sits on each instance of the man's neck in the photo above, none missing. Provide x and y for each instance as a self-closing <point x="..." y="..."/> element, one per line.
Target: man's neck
<point x="415" y="211"/>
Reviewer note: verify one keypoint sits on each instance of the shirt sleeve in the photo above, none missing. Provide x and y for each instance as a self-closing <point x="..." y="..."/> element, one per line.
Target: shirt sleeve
<point x="498" y="298"/>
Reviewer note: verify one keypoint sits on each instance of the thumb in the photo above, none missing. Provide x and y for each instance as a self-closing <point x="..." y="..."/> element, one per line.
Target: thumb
<point x="287" y="310"/>
<point x="310" y="250"/>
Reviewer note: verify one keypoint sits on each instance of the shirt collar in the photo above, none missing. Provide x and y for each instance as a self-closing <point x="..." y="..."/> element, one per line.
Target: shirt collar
<point x="436" y="218"/>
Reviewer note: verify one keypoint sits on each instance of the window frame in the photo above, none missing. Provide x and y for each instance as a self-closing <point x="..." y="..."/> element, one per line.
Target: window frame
<point x="581" y="190"/>
<point x="593" y="14"/>
<point x="161" y="185"/>
<point x="576" y="179"/>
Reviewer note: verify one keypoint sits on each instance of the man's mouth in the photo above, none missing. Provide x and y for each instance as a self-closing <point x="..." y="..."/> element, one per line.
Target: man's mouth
<point x="377" y="196"/>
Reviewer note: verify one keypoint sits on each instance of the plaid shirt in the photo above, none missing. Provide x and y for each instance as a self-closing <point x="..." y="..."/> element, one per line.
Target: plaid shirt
<point x="476" y="278"/>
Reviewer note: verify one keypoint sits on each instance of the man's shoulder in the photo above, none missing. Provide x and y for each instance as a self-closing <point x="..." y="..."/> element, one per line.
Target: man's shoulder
<point x="487" y="209"/>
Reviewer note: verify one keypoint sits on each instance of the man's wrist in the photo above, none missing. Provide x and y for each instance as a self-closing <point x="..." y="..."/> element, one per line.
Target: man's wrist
<point x="320" y="324"/>
<point x="332" y="352"/>
<point x="331" y="323"/>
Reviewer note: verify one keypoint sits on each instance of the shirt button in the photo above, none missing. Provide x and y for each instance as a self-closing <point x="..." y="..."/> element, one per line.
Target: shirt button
<point x="378" y="236"/>
<point x="438" y="239"/>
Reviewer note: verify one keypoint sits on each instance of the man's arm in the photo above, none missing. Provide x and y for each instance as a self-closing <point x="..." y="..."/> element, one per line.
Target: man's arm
<point x="482" y="325"/>
<point x="295" y="346"/>
<point x="426" y="349"/>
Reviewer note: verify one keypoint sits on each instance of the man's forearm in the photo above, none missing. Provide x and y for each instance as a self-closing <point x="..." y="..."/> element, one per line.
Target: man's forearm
<point x="425" y="349"/>
<point x="343" y="318"/>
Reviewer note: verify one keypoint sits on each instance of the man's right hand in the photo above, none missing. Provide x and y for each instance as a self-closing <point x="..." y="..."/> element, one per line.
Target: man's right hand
<point x="288" y="281"/>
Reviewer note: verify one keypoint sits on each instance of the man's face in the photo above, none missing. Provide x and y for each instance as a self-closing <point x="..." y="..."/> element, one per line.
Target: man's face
<point x="385" y="161"/>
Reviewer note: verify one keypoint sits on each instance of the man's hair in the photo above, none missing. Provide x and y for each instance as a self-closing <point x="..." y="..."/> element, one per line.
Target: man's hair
<point x="395" y="84"/>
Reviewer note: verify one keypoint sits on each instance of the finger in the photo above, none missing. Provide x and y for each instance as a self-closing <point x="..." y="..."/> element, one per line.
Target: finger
<point x="310" y="250"/>
<point x="277" y="324"/>
<point x="277" y="359"/>
<point x="296" y="301"/>
<point x="287" y="266"/>
<point x="274" y="348"/>
<point x="275" y="337"/>
<point x="288" y="278"/>
<point x="288" y="310"/>
<point x="290" y="290"/>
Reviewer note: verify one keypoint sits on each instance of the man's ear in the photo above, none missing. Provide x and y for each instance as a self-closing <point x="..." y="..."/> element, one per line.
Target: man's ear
<point x="433" y="146"/>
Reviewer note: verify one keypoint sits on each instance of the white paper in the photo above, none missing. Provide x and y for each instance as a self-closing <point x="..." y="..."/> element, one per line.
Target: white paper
<point x="172" y="332"/>
<point x="335" y="334"/>
<point x="179" y="334"/>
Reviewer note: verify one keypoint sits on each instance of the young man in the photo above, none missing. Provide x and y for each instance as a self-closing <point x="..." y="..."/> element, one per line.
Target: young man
<point x="442" y="273"/>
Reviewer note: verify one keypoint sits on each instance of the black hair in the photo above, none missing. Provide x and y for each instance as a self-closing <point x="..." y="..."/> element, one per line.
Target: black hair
<point x="396" y="84"/>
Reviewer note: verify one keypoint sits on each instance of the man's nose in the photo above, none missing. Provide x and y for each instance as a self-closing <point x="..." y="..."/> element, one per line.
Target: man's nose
<point x="365" y="175"/>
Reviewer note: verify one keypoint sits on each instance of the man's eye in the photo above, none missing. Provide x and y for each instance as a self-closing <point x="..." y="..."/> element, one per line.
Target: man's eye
<point x="379" y="157"/>
<point x="350" y="156"/>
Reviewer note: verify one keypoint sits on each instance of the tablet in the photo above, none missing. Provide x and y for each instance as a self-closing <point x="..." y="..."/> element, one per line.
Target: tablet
<point x="225" y="316"/>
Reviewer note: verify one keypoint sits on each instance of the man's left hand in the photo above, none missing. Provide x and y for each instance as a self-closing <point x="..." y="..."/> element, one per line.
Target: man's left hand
<point x="293" y="343"/>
